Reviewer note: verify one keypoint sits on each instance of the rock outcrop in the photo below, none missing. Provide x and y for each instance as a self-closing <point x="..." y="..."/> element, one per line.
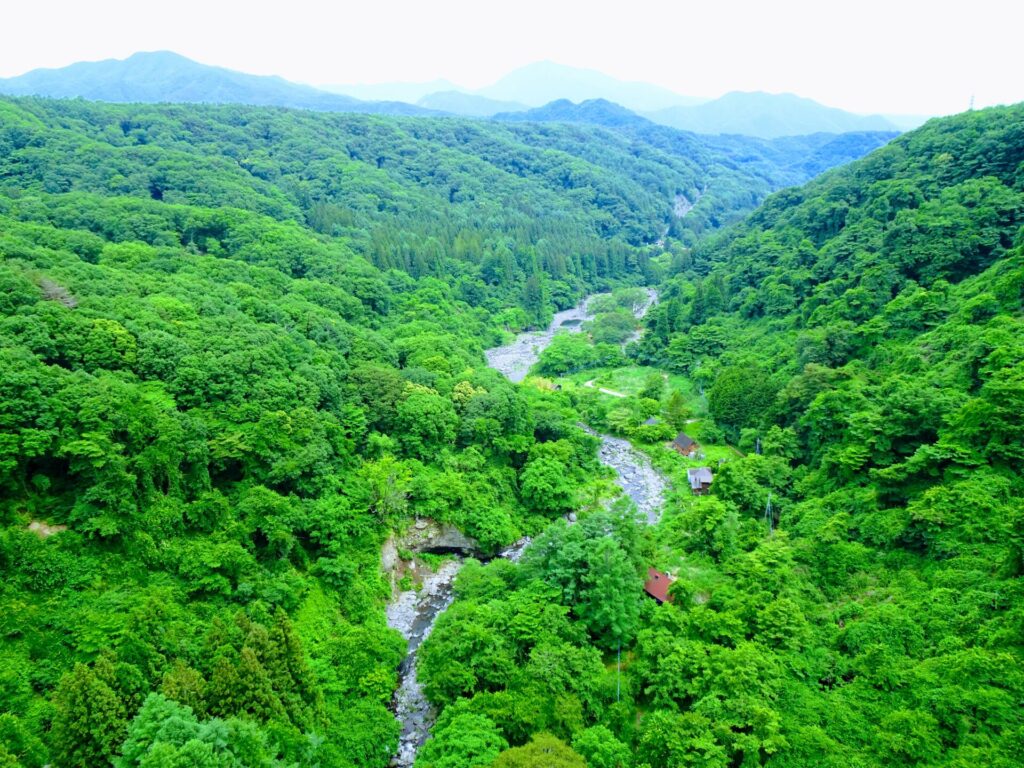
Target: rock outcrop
<point x="428" y="536"/>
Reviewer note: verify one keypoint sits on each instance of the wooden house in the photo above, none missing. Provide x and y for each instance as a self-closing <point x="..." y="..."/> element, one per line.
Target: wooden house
<point x="685" y="445"/>
<point x="700" y="480"/>
<point x="657" y="585"/>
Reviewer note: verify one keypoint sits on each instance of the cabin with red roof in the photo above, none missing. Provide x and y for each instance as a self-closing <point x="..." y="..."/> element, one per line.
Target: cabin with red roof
<point x="657" y="585"/>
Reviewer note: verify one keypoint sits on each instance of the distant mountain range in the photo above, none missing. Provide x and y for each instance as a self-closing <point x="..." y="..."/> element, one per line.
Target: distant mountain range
<point x="468" y="104"/>
<point x="407" y="92"/>
<point x="531" y="86"/>
<point x="767" y="115"/>
<point x="163" y="76"/>
<point x="543" y="82"/>
<point x="803" y="156"/>
<point x="591" y="112"/>
<point x="543" y="91"/>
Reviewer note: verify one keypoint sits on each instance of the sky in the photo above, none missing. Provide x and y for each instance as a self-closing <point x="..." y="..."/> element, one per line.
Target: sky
<point x="896" y="56"/>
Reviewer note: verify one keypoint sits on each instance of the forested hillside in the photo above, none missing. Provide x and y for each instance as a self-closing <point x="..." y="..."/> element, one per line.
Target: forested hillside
<point x="240" y="347"/>
<point x="865" y="335"/>
<point x="849" y="591"/>
<point x="487" y="205"/>
<point x="739" y="167"/>
<point x="211" y="420"/>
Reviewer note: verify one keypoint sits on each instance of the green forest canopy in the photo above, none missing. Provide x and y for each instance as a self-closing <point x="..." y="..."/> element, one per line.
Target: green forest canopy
<point x="483" y="205"/>
<point x="239" y="346"/>
<point x="868" y="330"/>
<point x="849" y="594"/>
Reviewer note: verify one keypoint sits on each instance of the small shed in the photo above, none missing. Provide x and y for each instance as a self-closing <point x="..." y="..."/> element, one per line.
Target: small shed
<point x="684" y="445"/>
<point x="657" y="585"/>
<point x="700" y="480"/>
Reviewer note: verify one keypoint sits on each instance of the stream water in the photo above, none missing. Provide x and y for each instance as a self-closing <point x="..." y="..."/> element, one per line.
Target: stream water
<point x="414" y="612"/>
<point x="634" y="474"/>
<point x="514" y="360"/>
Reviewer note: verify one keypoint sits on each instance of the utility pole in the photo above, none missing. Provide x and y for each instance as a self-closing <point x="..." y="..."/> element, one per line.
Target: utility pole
<point x="618" y="673"/>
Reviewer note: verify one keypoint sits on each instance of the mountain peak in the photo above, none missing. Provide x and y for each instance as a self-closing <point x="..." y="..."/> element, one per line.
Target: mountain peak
<point x="166" y="76"/>
<point x="160" y="55"/>
<point x="767" y="115"/>
<point x="542" y="82"/>
<point x="591" y="111"/>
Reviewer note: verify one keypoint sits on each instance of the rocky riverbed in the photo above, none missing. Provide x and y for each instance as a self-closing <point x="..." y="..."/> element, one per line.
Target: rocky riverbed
<point x="635" y="475"/>
<point x="515" y="360"/>
<point x="638" y="479"/>
<point x="414" y="612"/>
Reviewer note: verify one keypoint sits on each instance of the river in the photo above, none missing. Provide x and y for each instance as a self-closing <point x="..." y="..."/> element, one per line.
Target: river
<point x="515" y="359"/>
<point x="413" y="613"/>
<point x="634" y="474"/>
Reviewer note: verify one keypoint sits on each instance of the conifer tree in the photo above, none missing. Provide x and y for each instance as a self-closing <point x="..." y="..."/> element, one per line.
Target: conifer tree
<point x="89" y="723"/>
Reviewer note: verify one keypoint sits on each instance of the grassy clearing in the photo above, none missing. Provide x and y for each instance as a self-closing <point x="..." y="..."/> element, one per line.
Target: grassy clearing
<point x="674" y="466"/>
<point x="629" y="380"/>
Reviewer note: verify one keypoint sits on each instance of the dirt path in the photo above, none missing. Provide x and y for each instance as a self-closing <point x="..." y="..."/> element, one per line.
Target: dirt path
<point x="611" y="392"/>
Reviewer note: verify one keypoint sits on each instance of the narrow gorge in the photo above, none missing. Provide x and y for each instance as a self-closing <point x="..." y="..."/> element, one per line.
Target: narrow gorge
<point x="413" y="612"/>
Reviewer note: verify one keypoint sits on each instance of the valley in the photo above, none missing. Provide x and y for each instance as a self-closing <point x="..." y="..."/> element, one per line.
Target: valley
<point x="413" y="612"/>
<point x="290" y="478"/>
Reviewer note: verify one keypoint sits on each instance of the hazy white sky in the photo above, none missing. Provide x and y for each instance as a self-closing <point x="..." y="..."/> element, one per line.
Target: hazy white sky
<point x="865" y="55"/>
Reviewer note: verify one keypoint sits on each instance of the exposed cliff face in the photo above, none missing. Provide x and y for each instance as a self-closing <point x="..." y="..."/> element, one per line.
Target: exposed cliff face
<point x="414" y="611"/>
<point x="427" y="536"/>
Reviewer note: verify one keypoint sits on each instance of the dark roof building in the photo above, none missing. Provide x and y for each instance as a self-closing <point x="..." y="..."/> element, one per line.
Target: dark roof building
<point x="684" y="444"/>
<point x="683" y="440"/>
<point x="657" y="585"/>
